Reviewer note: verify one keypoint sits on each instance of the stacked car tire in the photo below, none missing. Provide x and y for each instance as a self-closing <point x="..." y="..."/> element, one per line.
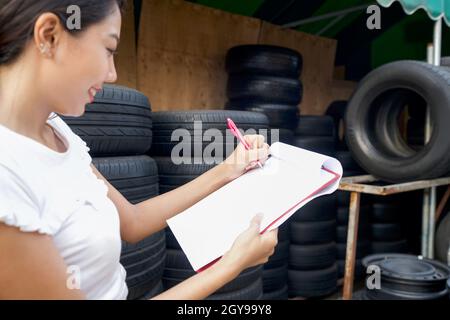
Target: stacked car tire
<point x="373" y="131"/>
<point x="312" y="252"/>
<point x="387" y="232"/>
<point x="183" y="150"/>
<point x="265" y="79"/>
<point x="117" y="127"/>
<point x="275" y="271"/>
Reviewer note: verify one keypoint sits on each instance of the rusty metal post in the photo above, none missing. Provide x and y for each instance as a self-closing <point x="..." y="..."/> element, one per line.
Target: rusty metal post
<point x="442" y="203"/>
<point x="352" y="236"/>
<point x="425" y="222"/>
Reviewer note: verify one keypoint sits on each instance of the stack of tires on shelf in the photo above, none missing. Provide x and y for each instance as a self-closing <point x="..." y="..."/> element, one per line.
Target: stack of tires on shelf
<point x="312" y="252"/>
<point x="387" y="229"/>
<point x="385" y="121"/>
<point x="187" y="156"/>
<point x="384" y="124"/>
<point x="265" y="79"/>
<point x="385" y="221"/>
<point x="117" y="127"/>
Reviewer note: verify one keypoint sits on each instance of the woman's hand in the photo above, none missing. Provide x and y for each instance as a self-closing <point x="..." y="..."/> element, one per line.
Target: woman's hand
<point x="242" y="160"/>
<point x="251" y="248"/>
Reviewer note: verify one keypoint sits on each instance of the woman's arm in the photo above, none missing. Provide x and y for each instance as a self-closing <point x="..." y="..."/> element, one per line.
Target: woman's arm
<point x="152" y="214"/>
<point x="145" y="218"/>
<point x="32" y="268"/>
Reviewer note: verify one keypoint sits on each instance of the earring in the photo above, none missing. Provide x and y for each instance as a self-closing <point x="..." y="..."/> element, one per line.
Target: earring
<point x="44" y="48"/>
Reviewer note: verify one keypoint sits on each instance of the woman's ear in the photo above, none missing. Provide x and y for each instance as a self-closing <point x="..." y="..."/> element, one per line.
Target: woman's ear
<point x="47" y="33"/>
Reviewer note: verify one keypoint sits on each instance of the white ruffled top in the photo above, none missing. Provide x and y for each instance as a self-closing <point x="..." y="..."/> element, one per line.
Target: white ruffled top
<point x="44" y="191"/>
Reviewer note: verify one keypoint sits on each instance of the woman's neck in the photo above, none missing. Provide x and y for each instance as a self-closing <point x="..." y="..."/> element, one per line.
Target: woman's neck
<point x="21" y="107"/>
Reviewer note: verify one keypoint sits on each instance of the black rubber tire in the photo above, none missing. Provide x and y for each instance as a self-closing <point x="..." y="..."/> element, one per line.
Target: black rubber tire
<point x="348" y="163"/>
<point x="156" y="290"/>
<point x="279" y="257"/>
<point x="445" y="62"/>
<point x="282" y="135"/>
<point x="275" y="278"/>
<point x="321" y="209"/>
<point x="315" y="126"/>
<point x="280" y="294"/>
<point x="360" y="295"/>
<point x="378" y="157"/>
<point x="280" y="115"/>
<point x="385" y="212"/>
<point x="323" y="145"/>
<point x="362" y="249"/>
<point x="265" y="89"/>
<point x="304" y="233"/>
<point x="443" y="239"/>
<point x="400" y="246"/>
<point x="387" y="128"/>
<point x="251" y="292"/>
<point x="284" y="232"/>
<point x="118" y="122"/>
<point x="135" y="177"/>
<point x="313" y="283"/>
<point x="171" y="241"/>
<point x="179" y="269"/>
<point x="264" y="60"/>
<point x="145" y="274"/>
<point x="386" y="232"/>
<point x="364" y="215"/>
<point x="342" y="231"/>
<point x="164" y="123"/>
<point x="172" y="176"/>
<point x="337" y="110"/>
<point x="312" y="257"/>
<point x="173" y="277"/>
<point x="343" y="198"/>
<point x="448" y="287"/>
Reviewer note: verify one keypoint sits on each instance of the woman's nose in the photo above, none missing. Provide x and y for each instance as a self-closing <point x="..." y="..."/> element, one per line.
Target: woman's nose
<point x="112" y="77"/>
<point x="112" y="74"/>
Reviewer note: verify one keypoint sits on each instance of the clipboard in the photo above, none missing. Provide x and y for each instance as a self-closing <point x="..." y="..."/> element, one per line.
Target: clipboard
<point x="290" y="178"/>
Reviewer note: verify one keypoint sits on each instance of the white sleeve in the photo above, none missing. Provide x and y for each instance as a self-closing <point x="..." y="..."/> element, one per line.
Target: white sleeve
<point x="19" y="207"/>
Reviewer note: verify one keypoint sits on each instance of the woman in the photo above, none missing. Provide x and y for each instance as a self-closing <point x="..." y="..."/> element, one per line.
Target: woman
<point x="60" y="220"/>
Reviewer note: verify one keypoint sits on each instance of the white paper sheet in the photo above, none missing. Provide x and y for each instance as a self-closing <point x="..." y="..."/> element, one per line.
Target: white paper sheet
<point x="208" y="229"/>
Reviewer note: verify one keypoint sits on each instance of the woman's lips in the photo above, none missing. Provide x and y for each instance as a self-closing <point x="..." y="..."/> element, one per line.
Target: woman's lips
<point x="92" y="92"/>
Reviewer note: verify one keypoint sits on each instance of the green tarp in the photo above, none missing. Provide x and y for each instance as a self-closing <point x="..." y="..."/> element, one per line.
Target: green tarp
<point x="435" y="9"/>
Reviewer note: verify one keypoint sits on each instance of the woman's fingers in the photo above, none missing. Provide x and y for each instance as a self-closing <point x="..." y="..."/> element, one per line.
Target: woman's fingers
<point x="260" y="154"/>
<point x="255" y="140"/>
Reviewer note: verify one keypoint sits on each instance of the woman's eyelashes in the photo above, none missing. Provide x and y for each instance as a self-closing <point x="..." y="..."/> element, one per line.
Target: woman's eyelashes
<point x="112" y="52"/>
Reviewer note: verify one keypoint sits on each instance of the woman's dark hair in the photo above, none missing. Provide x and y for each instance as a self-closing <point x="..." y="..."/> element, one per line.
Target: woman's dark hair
<point x="18" y="17"/>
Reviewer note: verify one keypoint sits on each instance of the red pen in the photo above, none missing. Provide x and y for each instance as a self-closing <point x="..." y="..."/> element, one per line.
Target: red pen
<point x="235" y="131"/>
